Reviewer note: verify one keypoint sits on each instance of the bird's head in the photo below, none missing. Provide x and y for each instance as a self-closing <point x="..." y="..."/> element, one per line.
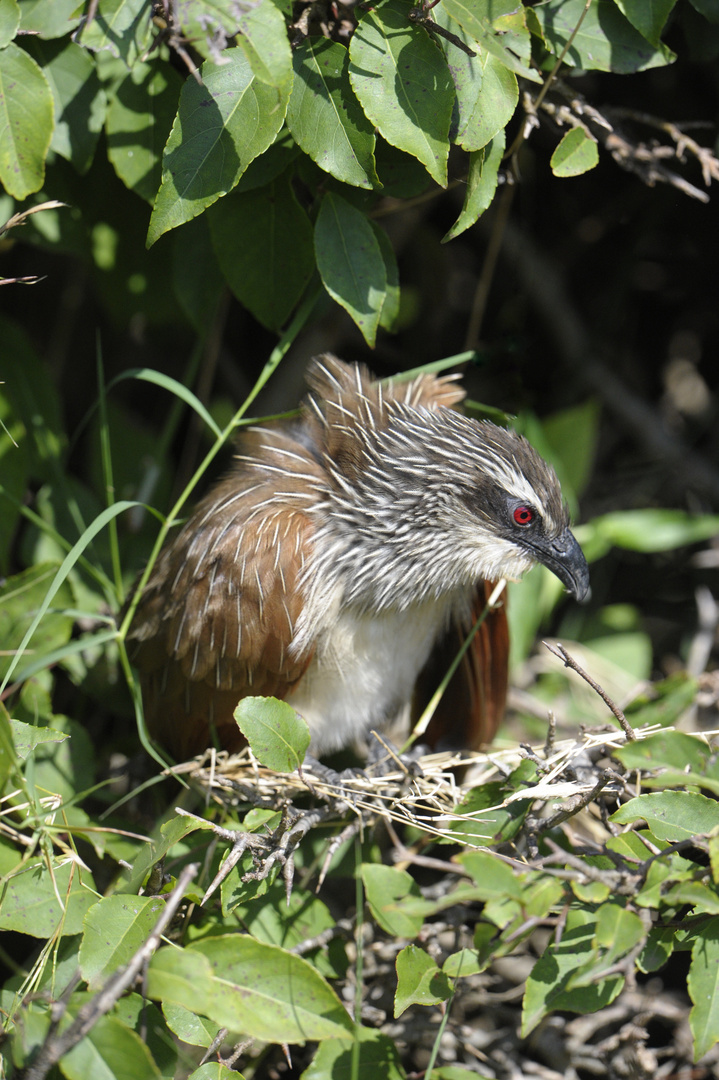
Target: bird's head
<point x="434" y="500"/>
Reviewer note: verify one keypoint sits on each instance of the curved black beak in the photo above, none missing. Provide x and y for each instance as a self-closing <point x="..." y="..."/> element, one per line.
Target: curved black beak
<point x="565" y="558"/>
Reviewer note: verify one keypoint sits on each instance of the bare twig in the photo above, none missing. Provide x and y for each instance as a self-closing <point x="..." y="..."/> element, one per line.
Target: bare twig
<point x="570" y="662"/>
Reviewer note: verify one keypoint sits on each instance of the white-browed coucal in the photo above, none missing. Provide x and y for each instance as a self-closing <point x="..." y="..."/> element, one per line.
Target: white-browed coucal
<point x="340" y="564"/>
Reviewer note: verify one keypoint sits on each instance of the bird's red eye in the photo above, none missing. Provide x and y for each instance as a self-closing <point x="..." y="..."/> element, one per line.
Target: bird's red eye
<point x="523" y="515"/>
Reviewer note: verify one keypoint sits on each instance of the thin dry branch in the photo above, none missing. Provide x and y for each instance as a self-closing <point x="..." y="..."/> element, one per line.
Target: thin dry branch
<point x="570" y="662"/>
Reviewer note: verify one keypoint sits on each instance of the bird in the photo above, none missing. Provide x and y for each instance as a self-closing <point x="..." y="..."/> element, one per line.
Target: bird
<point x="340" y="564"/>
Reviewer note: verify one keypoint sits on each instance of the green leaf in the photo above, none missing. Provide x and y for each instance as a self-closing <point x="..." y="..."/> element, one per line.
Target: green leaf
<point x="482" y="22"/>
<point x="171" y="833"/>
<point x="213" y="1070"/>
<point x="221" y="126"/>
<point x="198" y="282"/>
<point x="20" y="598"/>
<point x="666" y="702"/>
<point x="571" y="438"/>
<point x="325" y="117"/>
<point x="110" y="1051"/>
<point x="606" y="40"/>
<point x="350" y="262"/>
<point x="419" y="980"/>
<point x="372" y="1056"/>
<point x="464" y="962"/>
<point x="263" y="243"/>
<point x="251" y="988"/>
<point x="9" y="21"/>
<point x="146" y="1020"/>
<point x="115" y="928"/>
<point x="651" y="530"/>
<point x="27" y="736"/>
<point x="278" y="736"/>
<point x="681" y="760"/>
<point x="208" y="24"/>
<point x="139" y="120"/>
<point x="121" y="27"/>
<point x="387" y="888"/>
<point x="392" y="296"/>
<point x="648" y="18"/>
<point x="671" y="815"/>
<point x="26" y="122"/>
<point x="49" y="18"/>
<point x="577" y="153"/>
<point x="274" y="920"/>
<point x="487" y="96"/>
<point x="491" y="876"/>
<point x="37" y="900"/>
<point x="549" y="986"/>
<point x="658" y="947"/>
<point x="188" y="1026"/>
<point x="403" y="84"/>
<point x="703" y="986"/>
<point x="79" y="98"/>
<point x="618" y="931"/>
<point x="481" y="185"/>
<point x="263" y="39"/>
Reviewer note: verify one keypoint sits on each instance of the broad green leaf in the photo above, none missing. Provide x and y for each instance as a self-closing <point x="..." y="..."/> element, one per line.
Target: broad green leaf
<point x="571" y="439"/>
<point x="703" y="986"/>
<point x="481" y="21"/>
<point x="263" y="243"/>
<point x="146" y="1020"/>
<point x="80" y="101"/>
<point x="480" y="817"/>
<point x="214" y="1070"/>
<point x="549" y="986"/>
<point x="387" y="889"/>
<point x="110" y="1051"/>
<point x="491" y="876"/>
<point x="9" y="756"/>
<point x="20" y="598"/>
<point x="671" y="815"/>
<point x="277" y="921"/>
<point x="263" y="38"/>
<point x="350" y="262"/>
<point x="251" y="988"/>
<point x="121" y="27"/>
<point x="577" y="153"/>
<point x="481" y="185"/>
<point x="26" y="122"/>
<point x="27" y="736"/>
<point x="325" y="117"/>
<point x="606" y="40"/>
<point x="708" y="8"/>
<point x="373" y="1055"/>
<point x="36" y="901"/>
<point x="189" y="1026"/>
<point x="681" y="760"/>
<point x="115" y="928"/>
<point x="658" y="947"/>
<point x="464" y="962"/>
<point x="220" y="127"/>
<point x="49" y="18"/>
<point x="487" y="96"/>
<point x="618" y="930"/>
<point x="648" y="18"/>
<point x="278" y="736"/>
<point x="198" y="282"/>
<point x="419" y="980"/>
<point x="647" y="530"/>
<point x="139" y="119"/>
<point x="9" y="21"/>
<point x="171" y="833"/>
<point x="391" y="304"/>
<point x="703" y="898"/>
<point x="403" y="84"/>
